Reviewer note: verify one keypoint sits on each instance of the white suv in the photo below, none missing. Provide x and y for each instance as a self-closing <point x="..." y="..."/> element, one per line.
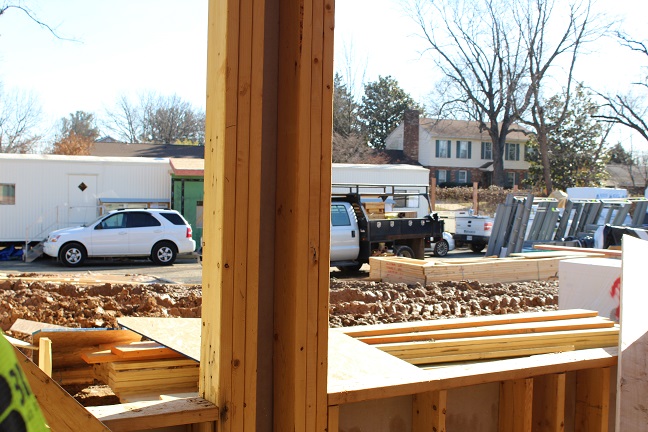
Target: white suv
<point x="158" y="234"/>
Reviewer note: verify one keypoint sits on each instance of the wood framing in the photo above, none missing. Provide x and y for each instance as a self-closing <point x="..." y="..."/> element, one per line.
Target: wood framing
<point x="267" y="210"/>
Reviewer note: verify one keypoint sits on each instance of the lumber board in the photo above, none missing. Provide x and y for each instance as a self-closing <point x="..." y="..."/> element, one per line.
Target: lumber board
<point x="606" y="252"/>
<point x="516" y="405"/>
<point x="179" y="334"/>
<point x="581" y="339"/>
<point x="45" y="355"/>
<point x="62" y="412"/>
<point x="28" y="327"/>
<point x="155" y="414"/>
<point x="20" y="343"/>
<point x="467" y="322"/>
<point x="429" y="411"/>
<point x="151" y="364"/>
<point x="379" y="383"/>
<point x="77" y="375"/>
<point x="102" y="356"/>
<point x="434" y="361"/>
<point x="549" y="403"/>
<point x="593" y="400"/>
<point x="494" y="330"/>
<point x="143" y="350"/>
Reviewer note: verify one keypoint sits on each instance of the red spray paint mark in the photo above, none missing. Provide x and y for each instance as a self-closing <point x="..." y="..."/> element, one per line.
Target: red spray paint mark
<point x="615" y="293"/>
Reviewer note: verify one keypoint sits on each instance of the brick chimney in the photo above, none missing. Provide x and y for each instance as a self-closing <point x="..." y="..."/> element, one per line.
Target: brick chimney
<point x="411" y="134"/>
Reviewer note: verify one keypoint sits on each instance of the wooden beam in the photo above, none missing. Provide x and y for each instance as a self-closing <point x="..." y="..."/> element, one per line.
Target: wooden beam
<point x="549" y="403"/>
<point x="267" y="210"/>
<point x="429" y="411"/>
<point x="45" y="355"/>
<point x="605" y="252"/>
<point x="62" y="412"/>
<point x="516" y="406"/>
<point x="333" y="419"/>
<point x="136" y="416"/>
<point x="593" y="400"/>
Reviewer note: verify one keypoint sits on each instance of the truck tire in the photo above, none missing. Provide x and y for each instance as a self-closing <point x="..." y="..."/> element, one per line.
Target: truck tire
<point x="404" y="251"/>
<point x="477" y="247"/>
<point x="441" y="248"/>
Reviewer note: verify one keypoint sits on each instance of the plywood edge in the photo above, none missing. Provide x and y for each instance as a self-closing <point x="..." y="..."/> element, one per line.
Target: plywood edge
<point x="352" y="389"/>
<point x="155" y="414"/>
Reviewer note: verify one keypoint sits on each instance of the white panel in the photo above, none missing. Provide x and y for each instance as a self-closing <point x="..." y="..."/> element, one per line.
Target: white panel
<point x="590" y="283"/>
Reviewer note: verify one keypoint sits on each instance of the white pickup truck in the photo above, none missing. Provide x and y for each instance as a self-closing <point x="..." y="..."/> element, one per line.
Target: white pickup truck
<point x="473" y="230"/>
<point x="355" y="237"/>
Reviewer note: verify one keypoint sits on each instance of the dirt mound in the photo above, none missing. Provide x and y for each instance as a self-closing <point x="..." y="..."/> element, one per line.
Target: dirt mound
<point x="352" y="302"/>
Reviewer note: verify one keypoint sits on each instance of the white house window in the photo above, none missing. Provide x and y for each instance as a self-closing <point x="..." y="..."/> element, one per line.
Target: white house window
<point x="512" y="152"/>
<point x="463" y="149"/>
<point x="442" y="176"/>
<point x="443" y="149"/>
<point x="462" y="176"/>
<point x="7" y="194"/>
<point x="487" y="150"/>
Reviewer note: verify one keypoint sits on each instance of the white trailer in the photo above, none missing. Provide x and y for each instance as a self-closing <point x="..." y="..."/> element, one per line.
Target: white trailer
<point x="403" y="178"/>
<point x="41" y="193"/>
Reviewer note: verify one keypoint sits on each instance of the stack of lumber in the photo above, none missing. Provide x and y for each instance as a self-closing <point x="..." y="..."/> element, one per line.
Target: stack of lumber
<point x="516" y="268"/>
<point x="143" y="368"/>
<point x="432" y="343"/>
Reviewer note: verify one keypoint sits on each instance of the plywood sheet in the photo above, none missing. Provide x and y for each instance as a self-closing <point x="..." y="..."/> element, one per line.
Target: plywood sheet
<point x="179" y="334"/>
<point x="632" y="375"/>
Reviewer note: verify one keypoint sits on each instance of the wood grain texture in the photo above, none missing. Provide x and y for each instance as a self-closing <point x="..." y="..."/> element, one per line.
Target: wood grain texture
<point x="549" y="403"/>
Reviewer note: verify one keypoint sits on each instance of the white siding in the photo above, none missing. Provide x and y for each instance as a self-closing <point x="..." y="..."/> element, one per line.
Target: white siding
<point x="43" y="192"/>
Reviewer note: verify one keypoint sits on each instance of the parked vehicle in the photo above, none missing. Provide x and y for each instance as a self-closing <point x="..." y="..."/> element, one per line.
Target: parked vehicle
<point x="473" y="230"/>
<point x="154" y="233"/>
<point x="355" y="236"/>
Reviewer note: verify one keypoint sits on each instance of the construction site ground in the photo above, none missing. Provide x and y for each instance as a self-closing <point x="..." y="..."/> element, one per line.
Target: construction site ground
<point x="97" y="295"/>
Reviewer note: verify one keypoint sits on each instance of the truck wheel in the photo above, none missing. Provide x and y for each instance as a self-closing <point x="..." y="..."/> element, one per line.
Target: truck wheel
<point x="477" y="247"/>
<point x="164" y="253"/>
<point x="441" y="248"/>
<point x="72" y="255"/>
<point x="404" y="251"/>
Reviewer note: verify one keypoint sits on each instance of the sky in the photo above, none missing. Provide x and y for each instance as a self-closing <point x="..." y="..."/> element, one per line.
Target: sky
<point x="114" y="48"/>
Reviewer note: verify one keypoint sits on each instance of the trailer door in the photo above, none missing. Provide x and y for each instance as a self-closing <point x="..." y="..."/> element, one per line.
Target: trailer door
<point x="345" y="244"/>
<point x="82" y="199"/>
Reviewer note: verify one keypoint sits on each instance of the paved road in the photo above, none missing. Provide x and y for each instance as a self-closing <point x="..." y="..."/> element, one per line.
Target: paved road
<point x="186" y="270"/>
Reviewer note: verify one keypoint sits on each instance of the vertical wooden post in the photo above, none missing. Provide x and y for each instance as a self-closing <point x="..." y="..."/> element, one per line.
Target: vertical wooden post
<point x="267" y="211"/>
<point x="45" y="355"/>
<point x="592" y="400"/>
<point x="516" y="405"/>
<point x="429" y="411"/>
<point x="333" y="419"/>
<point x="549" y="403"/>
<point x="475" y="198"/>
<point x="433" y="184"/>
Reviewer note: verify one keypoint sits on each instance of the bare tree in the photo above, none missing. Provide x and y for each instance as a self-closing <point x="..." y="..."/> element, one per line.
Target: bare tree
<point x="73" y="144"/>
<point x="494" y="56"/>
<point x="157" y="119"/>
<point x="19" y="119"/>
<point x="353" y="148"/>
<point x="629" y="109"/>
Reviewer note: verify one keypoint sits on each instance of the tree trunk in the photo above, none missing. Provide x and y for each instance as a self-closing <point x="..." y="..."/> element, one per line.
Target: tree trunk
<point x="543" y="145"/>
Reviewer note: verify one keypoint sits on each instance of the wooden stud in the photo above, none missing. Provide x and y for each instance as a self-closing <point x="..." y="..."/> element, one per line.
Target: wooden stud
<point x="549" y="403"/>
<point x="592" y="400"/>
<point x="45" y="355"/>
<point x="333" y="421"/>
<point x="429" y="411"/>
<point x="516" y="405"/>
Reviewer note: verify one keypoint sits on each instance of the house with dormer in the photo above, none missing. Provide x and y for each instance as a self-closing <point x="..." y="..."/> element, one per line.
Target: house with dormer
<point x="457" y="152"/>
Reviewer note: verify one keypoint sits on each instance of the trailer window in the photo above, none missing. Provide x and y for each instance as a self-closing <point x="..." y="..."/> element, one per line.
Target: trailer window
<point x="339" y="216"/>
<point x="7" y="194"/>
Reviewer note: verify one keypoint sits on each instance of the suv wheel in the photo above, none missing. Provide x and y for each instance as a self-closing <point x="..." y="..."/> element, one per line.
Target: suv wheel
<point x="72" y="255"/>
<point x="164" y="253"/>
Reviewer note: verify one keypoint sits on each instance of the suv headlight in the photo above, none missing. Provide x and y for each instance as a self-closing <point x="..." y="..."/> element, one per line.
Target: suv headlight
<point x="55" y="238"/>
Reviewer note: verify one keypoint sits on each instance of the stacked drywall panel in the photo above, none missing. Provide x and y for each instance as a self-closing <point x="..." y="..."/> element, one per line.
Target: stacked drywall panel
<point x="591" y="283"/>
